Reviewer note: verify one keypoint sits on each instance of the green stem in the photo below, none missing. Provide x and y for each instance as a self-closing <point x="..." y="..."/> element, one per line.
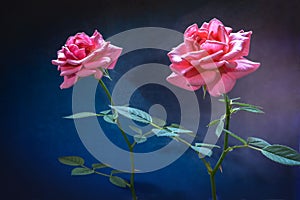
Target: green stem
<point x="130" y="147"/>
<point x="213" y="186"/>
<point x="213" y="172"/>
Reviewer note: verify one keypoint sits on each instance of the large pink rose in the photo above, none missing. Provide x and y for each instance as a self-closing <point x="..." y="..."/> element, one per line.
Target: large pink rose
<point x="211" y="55"/>
<point x="83" y="56"/>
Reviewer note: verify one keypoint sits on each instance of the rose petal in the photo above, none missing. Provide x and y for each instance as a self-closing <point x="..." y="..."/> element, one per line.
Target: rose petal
<point x="239" y="45"/>
<point x="69" y="81"/>
<point x="98" y="74"/>
<point x="181" y="69"/>
<point x="212" y="46"/>
<point x="180" y="81"/>
<point x="85" y="72"/>
<point x="67" y="70"/>
<point x="191" y="44"/>
<point x="243" y="68"/>
<point x="112" y="65"/>
<point x="213" y="28"/>
<point x="104" y="61"/>
<point x="222" y="85"/>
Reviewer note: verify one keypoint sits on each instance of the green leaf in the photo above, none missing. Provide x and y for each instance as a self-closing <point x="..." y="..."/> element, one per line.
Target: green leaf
<point x="219" y="128"/>
<point x="176" y="126"/>
<point x="282" y="154"/>
<point x="71" y="160"/>
<point x="206" y="145"/>
<point x="248" y="109"/>
<point x="204" y="89"/>
<point x="106" y="73"/>
<point x="118" y="181"/>
<point x="99" y="165"/>
<point x="115" y="171"/>
<point x="257" y="142"/>
<point x="202" y="150"/>
<point x="82" y="115"/>
<point x="214" y="122"/>
<point x="78" y="171"/>
<point x="178" y="130"/>
<point x="158" y="121"/>
<point x="105" y="112"/>
<point x="245" y="105"/>
<point x="110" y="119"/>
<point x="139" y="138"/>
<point x="136" y="129"/>
<point x="164" y="133"/>
<point x="133" y="113"/>
<point x="234" y="99"/>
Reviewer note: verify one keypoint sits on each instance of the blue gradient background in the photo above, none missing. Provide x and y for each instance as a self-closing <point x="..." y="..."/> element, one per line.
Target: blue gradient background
<point x="34" y="134"/>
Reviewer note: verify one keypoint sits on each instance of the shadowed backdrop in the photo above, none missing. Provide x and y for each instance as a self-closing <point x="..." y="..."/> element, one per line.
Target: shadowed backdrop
<point x="34" y="134"/>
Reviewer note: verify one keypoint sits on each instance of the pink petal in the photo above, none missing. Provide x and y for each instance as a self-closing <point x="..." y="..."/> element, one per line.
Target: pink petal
<point x="191" y="30"/>
<point x="191" y="44"/>
<point x="181" y="82"/>
<point x="85" y="72"/>
<point x="112" y="65"/>
<point x="69" y="81"/>
<point x="223" y="85"/>
<point x="243" y="68"/>
<point x="58" y="62"/>
<point x="181" y="69"/>
<point x="67" y="70"/>
<point x="208" y="62"/>
<point x="213" y="28"/>
<point x="194" y="55"/>
<point x="175" y="54"/>
<point x="98" y="75"/>
<point x="212" y="46"/>
<point x="101" y="63"/>
<point x="69" y="54"/>
<point x="239" y="45"/>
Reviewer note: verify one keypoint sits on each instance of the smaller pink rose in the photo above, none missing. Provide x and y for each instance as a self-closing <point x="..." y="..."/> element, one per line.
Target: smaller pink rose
<point x="83" y="56"/>
<point x="211" y="55"/>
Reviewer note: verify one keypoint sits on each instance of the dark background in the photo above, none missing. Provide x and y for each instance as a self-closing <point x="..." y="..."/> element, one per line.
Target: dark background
<point x="33" y="133"/>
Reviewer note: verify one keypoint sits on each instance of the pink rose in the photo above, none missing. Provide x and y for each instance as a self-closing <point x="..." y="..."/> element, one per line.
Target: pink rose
<point x="211" y="55"/>
<point x="83" y="56"/>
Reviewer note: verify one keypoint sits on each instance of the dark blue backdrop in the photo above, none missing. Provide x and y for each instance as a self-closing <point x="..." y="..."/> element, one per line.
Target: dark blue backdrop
<point x="34" y="133"/>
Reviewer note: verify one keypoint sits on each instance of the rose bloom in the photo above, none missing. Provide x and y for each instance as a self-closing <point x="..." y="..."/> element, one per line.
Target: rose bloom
<point x="83" y="56"/>
<point x="211" y="55"/>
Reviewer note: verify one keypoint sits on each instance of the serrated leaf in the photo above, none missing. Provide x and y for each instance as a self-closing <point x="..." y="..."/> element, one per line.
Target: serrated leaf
<point x="133" y="113"/>
<point x="139" y="139"/>
<point x="164" y="133"/>
<point x="99" y="165"/>
<point x="82" y="115"/>
<point x="118" y="181"/>
<point x="202" y="150"/>
<point x="79" y="171"/>
<point x="257" y="142"/>
<point x="136" y="129"/>
<point x="110" y="119"/>
<point x="206" y="145"/>
<point x="158" y="121"/>
<point x="71" y="160"/>
<point x="219" y="128"/>
<point x="282" y="154"/>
